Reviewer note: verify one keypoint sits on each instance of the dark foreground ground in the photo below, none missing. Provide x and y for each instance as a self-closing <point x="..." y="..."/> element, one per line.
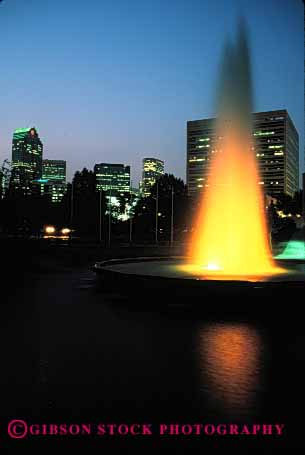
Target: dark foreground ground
<point x="74" y="351"/>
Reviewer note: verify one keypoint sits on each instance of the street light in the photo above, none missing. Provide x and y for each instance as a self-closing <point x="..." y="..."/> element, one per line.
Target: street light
<point x="157" y="209"/>
<point x="71" y="209"/>
<point x="130" y="215"/>
<point x="109" y="219"/>
<point x="100" y="215"/>
<point x="49" y="229"/>
<point x="172" y="219"/>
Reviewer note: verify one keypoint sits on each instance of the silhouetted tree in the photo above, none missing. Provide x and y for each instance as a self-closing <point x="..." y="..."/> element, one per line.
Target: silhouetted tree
<point x="85" y="200"/>
<point x="145" y="214"/>
<point x="290" y="204"/>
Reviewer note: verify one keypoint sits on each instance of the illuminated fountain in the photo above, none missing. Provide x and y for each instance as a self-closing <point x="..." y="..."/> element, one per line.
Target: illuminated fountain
<point x="231" y="238"/>
<point x="230" y="249"/>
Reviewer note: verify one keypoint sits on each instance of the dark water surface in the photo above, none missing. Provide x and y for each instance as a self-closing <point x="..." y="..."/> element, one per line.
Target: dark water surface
<point x="75" y="353"/>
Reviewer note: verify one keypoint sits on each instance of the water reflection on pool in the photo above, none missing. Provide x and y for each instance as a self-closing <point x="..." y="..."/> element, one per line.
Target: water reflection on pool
<point x="231" y="368"/>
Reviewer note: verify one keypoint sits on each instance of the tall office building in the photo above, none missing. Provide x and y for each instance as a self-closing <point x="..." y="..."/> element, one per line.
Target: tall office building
<point x="152" y="170"/>
<point x="276" y="145"/>
<point x="112" y="177"/>
<point x="277" y="150"/>
<point x="5" y="176"/>
<point x="53" y="181"/>
<point x="26" y="159"/>
<point x="54" y="170"/>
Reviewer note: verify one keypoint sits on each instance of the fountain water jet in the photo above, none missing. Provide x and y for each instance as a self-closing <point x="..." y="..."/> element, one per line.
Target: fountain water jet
<point x="231" y="237"/>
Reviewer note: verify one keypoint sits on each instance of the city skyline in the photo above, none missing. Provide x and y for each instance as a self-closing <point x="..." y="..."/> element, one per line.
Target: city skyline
<point x="94" y="94"/>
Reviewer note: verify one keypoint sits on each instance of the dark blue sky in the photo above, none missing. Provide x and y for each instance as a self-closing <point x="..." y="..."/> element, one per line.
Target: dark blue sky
<point x="117" y="80"/>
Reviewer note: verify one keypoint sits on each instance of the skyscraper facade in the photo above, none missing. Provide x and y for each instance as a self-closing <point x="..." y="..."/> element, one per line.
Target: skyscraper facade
<point x="27" y="153"/>
<point x="276" y="146"/>
<point x="277" y="151"/>
<point x="53" y="181"/>
<point x="153" y="168"/>
<point x="5" y="176"/>
<point x="112" y="177"/>
<point x="54" y="170"/>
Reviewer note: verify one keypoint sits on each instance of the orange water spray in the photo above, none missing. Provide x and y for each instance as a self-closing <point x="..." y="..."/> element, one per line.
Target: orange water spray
<point x="230" y="237"/>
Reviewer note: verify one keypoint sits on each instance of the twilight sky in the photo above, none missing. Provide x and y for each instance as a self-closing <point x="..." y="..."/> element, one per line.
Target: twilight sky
<point x="115" y="81"/>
